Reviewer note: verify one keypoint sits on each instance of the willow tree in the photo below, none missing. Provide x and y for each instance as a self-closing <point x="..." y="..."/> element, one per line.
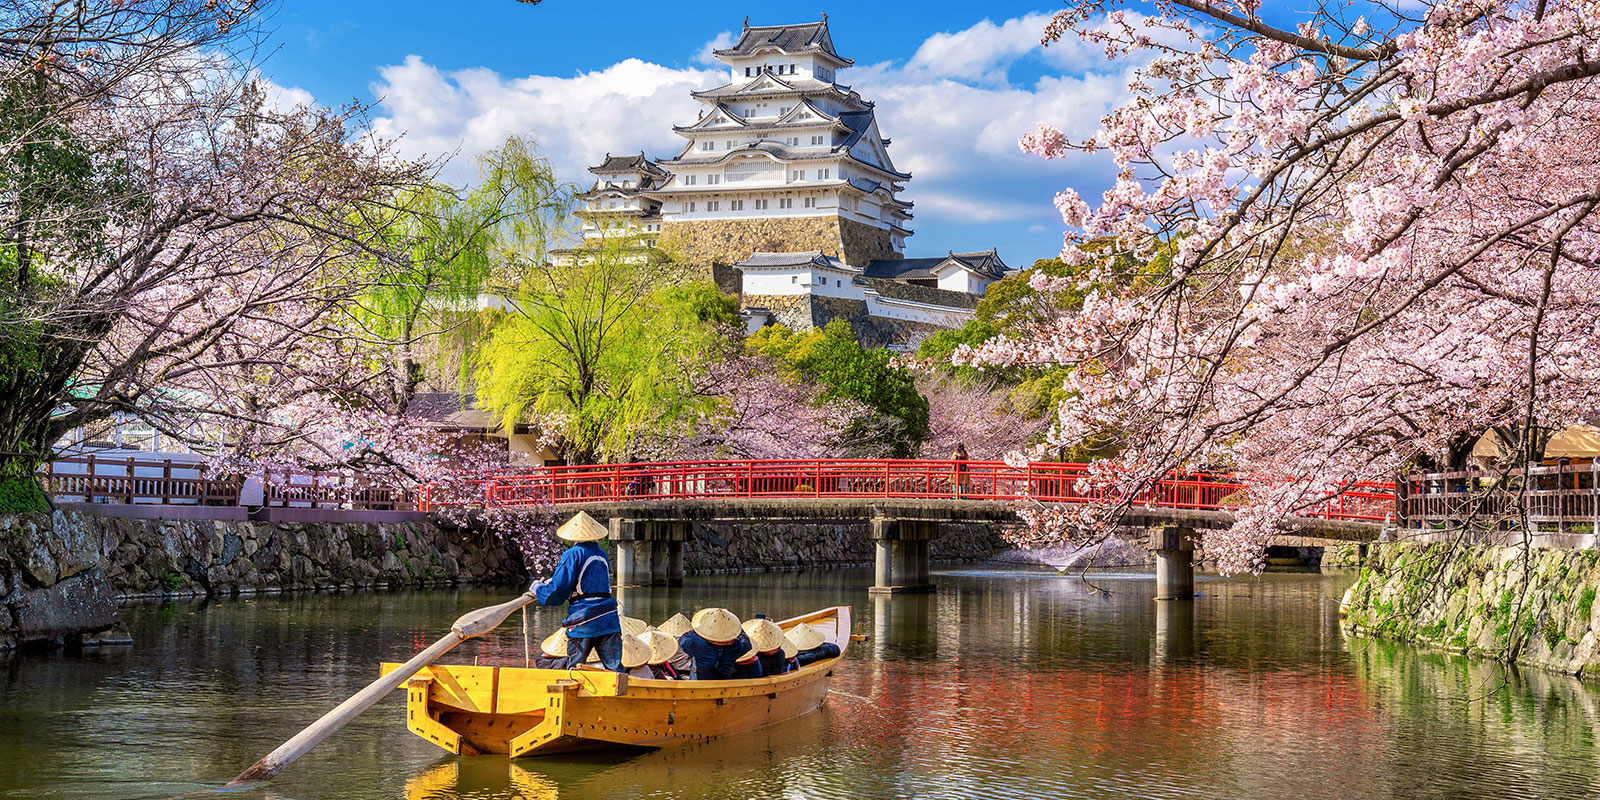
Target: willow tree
<point x="607" y="345"/>
<point x="451" y="247"/>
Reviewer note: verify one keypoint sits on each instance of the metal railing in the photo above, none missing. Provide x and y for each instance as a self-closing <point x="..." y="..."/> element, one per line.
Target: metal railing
<point x="869" y="478"/>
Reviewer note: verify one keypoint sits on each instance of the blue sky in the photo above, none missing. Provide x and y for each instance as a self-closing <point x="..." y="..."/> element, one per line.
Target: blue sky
<point x="955" y="88"/>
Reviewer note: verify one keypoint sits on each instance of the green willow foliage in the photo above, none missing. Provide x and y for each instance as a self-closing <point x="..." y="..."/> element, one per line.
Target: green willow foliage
<point x="456" y="246"/>
<point x="605" y="350"/>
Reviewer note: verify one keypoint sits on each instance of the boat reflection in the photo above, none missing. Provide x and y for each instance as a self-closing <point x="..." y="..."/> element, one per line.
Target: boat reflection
<point x="479" y="777"/>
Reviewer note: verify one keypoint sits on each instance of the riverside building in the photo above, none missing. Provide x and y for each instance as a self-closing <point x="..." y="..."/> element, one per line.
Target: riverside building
<point x="786" y="177"/>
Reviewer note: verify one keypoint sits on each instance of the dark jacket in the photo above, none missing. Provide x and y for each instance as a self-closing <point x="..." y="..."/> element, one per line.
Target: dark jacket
<point x="774" y="663"/>
<point x="821" y="652"/>
<point x="584" y="571"/>
<point x="716" y="662"/>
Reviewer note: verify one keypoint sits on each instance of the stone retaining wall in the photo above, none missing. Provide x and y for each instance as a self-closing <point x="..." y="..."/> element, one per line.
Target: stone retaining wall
<point x="61" y="574"/>
<point x="732" y="547"/>
<point x="1527" y="606"/>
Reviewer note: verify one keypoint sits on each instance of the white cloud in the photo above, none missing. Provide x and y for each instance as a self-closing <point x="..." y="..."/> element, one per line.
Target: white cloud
<point x="721" y="41"/>
<point x="953" y="111"/>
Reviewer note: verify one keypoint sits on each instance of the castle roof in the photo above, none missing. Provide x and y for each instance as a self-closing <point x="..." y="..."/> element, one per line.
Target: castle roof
<point x="811" y="37"/>
<point x="986" y="264"/>
<point x="638" y="163"/>
<point x="802" y="258"/>
<point x="773" y="86"/>
<point x="782" y="152"/>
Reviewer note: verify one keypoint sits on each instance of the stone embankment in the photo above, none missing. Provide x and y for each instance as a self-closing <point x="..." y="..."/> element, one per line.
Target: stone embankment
<point x="62" y="574"/>
<point x="724" y="547"/>
<point x="1531" y="607"/>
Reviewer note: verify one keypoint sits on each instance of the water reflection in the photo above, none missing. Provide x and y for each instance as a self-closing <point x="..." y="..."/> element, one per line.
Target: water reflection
<point x="1013" y="683"/>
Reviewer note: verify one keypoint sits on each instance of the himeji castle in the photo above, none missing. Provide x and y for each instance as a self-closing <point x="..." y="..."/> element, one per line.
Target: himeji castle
<point x="787" y="178"/>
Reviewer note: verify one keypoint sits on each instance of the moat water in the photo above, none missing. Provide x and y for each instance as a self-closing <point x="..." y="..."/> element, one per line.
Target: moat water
<point x="1007" y="683"/>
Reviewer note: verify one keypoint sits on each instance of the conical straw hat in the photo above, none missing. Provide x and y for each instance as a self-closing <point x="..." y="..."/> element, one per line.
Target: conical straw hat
<point x="789" y="650"/>
<point x="716" y="624"/>
<point x="631" y="626"/>
<point x="635" y="653"/>
<point x="749" y="656"/>
<point x="555" y="644"/>
<point x="764" y="634"/>
<point x="675" y="627"/>
<point x="806" y="637"/>
<point x="662" y="646"/>
<point x="582" y="528"/>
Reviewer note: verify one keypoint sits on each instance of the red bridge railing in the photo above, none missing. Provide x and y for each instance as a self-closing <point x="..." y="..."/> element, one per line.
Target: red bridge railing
<point x="861" y="478"/>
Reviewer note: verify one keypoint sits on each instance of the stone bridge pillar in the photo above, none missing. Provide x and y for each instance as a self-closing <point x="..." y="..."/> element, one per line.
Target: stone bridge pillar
<point x="901" y="564"/>
<point x="648" y="552"/>
<point x="1174" y="548"/>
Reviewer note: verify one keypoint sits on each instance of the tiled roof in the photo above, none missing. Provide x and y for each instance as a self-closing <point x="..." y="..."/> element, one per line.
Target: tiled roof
<point x="637" y="163"/>
<point x="812" y="36"/>
<point x="800" y="86"/>
<point x="782" y="151"/>
<point x="987" y="264"/>
<point x="802" y="258"/>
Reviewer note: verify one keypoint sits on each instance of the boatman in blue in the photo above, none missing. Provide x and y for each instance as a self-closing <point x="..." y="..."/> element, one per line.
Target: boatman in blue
<point x="582" y="579"/>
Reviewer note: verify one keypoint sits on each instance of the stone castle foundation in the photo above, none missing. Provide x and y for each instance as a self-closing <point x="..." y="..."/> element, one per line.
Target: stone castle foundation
<point x="725" y="241"/>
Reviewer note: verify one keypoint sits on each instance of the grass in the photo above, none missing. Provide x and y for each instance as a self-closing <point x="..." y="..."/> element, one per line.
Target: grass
<point x="1585" y="602"/>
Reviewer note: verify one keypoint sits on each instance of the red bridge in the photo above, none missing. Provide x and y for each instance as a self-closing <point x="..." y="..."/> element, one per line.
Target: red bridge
<point x="651" y="506"/>
<point x="867" y="479"/>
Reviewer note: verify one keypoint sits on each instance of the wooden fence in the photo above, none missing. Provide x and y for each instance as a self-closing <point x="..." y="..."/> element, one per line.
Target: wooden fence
<point x="1562" y="497"/>
<point x="98" y="479"/>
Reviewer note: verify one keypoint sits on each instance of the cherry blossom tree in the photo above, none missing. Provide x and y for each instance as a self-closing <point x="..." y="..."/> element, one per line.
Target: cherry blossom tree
<point x="175" y="246"/>
<point x="1382" y="235"/>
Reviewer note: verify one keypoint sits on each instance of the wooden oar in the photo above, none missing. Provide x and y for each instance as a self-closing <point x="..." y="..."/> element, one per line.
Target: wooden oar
<point x="471" y="624"/>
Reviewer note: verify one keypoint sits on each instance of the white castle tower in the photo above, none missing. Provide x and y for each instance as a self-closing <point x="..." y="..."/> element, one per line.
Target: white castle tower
<point x="783" y="158"/>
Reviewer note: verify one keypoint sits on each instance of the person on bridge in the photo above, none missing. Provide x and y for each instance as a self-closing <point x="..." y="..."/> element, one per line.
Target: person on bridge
<point x="959" y="480"/>
<point x="715" y="646"/>
<point x="582" y="579"/>
<point x="772" y="649"/>
<point x="811" y="644"/>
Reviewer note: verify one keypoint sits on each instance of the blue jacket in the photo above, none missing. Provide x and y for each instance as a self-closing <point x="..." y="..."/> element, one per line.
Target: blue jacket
<point x="582" y="570"/>
<point x="718" y="662"/>
<point x="821" y="652"/>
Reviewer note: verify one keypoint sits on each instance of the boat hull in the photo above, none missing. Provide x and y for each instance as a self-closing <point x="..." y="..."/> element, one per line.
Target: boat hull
<point x="533" y="712"/>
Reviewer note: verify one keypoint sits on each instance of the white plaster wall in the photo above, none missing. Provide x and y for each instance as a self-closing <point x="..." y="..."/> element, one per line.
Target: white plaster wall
<point x="950" y="318"/>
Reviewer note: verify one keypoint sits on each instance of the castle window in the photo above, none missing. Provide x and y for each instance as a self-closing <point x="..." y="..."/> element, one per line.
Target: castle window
<point x="708" y="145"/>
<point x="816" y="140"/>
<point x="712" y="205"/>
<point x="713" y="179"/>
<point x="747" y="72"/>
<point x="689" y="180"/>
<point x="761" y="205"/>
<point x="731" y="143"/>
<point x="691" y="206"/>
<point x="786" y="202"/>
<point x="811" y="202"/>
<point x="735" y="205"/>
<point x="822" y="174"/>
<point x="797" y="175"/>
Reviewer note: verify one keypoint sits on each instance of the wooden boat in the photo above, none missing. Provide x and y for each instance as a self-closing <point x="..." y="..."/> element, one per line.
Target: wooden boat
<point x="470" y="710"/>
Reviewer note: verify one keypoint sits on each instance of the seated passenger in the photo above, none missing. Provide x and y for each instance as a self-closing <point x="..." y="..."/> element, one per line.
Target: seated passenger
<point x="772" y="649"/>
<point x="811" y="644"/>
<point x="677" y="626"/>
<point x="636" y="657"/>
<point x="715" y="645"/>
<point x="552" y="651"/>
<point x="667" y="662"/>
<point x="748" y="665"/>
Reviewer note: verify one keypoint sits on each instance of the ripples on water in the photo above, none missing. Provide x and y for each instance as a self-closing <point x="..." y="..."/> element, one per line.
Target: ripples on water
<point x="1008" y="683"/>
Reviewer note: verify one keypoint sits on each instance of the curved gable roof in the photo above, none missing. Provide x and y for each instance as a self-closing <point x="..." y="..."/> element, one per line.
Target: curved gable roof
<point x="811" y="37"/>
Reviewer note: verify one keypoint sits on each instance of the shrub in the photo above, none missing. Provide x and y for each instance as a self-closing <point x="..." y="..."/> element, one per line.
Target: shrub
<point x="22" y="496"/>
